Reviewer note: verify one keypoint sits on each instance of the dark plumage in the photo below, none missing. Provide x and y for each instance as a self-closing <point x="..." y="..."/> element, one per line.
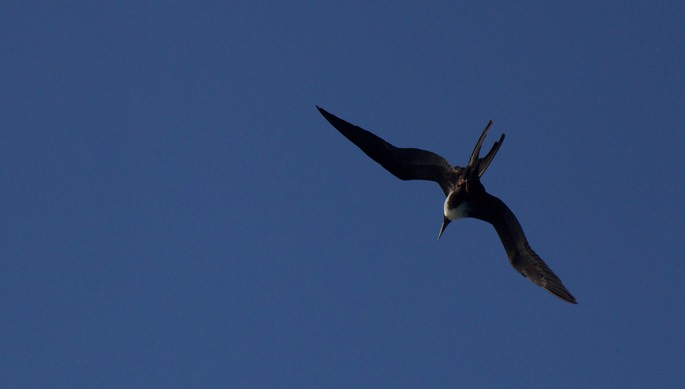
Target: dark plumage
<point x="466" y="196"/>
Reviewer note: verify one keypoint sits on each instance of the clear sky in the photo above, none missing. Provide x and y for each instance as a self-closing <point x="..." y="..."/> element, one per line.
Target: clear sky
<point x="174" y="212"/>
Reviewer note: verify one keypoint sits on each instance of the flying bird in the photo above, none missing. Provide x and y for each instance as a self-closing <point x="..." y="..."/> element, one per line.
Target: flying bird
<point x="465" y="195"/>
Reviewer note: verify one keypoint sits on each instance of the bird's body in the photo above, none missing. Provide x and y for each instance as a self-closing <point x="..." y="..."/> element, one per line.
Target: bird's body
<point x="465" y="195"/>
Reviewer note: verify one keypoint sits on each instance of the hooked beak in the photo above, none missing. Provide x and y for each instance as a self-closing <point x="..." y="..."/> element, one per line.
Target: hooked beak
<point x="445" y="222"/>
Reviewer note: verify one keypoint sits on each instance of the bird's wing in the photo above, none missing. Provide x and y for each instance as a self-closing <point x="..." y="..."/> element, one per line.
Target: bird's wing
<point x="521" y="256"/>
<point x="403" y="163"/>
<point x="528" y="263"/>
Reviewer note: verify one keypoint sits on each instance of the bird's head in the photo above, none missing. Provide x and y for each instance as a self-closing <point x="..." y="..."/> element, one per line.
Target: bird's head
<point x="456" y="207"/>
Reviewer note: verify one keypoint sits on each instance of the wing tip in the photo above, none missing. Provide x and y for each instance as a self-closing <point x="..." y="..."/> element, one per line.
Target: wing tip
<point x="563" y="294"/>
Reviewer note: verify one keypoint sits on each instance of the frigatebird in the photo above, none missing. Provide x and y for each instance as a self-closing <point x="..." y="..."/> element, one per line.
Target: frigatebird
<point x="465" y="195"/>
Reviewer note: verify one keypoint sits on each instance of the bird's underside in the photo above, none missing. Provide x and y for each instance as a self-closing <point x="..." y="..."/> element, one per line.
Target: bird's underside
<point x="462" y="186"/>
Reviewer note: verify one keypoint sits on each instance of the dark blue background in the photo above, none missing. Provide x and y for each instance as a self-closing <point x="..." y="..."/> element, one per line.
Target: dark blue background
<point x="174" y="212"/>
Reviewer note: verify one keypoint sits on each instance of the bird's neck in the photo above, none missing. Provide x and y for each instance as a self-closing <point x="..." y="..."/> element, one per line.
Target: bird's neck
<point x="493" y="210"/>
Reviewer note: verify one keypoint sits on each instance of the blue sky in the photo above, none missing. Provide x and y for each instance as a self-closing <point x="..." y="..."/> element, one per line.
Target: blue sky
<point x="174" y="211"/>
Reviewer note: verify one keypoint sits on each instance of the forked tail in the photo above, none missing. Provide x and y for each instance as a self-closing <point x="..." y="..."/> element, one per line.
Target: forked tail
<point x="481" y="164"/>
